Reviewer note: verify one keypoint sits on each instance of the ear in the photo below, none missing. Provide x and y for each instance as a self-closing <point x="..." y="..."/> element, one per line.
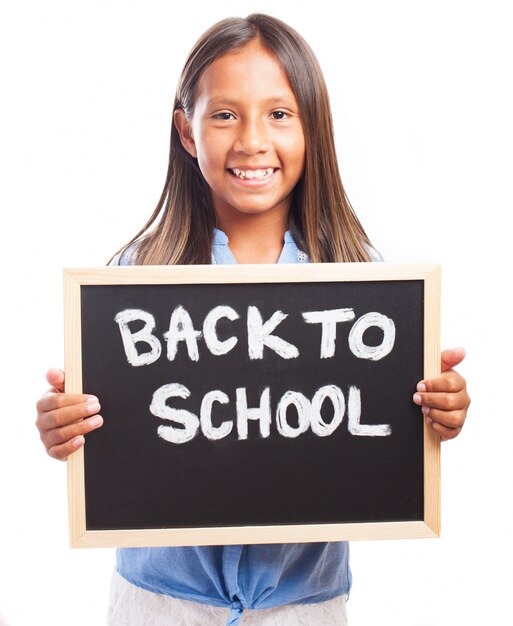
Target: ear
<point x="184" y="128"/>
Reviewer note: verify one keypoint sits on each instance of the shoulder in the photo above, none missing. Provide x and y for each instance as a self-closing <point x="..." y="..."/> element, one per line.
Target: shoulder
<point x="375" y="256"/>
<point x="127" y="256"/>
<point x="297" y="256"/>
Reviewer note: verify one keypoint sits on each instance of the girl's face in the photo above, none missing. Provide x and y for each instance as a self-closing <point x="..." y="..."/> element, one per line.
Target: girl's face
<point x="246" y="133"/>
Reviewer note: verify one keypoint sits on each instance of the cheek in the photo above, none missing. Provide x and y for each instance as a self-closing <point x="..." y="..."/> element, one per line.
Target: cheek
<point x="296" y="164"/>
<point x="208" y="166"/>
<point x="293" y="151"/>
<point x="211" y="154"/>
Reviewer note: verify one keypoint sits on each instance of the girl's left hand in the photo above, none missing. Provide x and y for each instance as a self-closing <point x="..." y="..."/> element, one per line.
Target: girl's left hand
<point x="445" y="400"/>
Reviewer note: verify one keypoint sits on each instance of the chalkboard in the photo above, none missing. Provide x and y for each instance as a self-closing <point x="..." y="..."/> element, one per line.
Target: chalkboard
<point x="253" y="404"/>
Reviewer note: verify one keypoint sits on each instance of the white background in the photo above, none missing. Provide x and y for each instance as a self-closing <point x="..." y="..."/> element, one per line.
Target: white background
<point x="422" y="101"/>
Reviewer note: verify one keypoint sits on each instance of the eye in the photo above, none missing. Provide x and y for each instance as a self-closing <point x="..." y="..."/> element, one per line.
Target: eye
<point x="279" y="115"/>
<point x="222" y="116"/>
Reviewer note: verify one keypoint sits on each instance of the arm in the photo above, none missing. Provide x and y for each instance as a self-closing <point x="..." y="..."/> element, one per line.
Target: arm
<point x="63" y="418"/>
<point x="445" y="400"/>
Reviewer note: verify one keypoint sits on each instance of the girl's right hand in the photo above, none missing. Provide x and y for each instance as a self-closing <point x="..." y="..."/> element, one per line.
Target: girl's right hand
<point x="64" y="418"/>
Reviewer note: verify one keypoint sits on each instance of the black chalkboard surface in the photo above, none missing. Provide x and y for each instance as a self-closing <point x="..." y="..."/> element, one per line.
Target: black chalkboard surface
<point x="253" y="403"/>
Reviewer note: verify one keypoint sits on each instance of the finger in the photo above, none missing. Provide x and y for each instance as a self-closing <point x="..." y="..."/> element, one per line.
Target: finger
<point x="449" y="382"/>
<point x="451" y="419"/>
<point x="59" y="436"/>
<point x="451" y="358"/>
<point x="61" y="452"/>
<point x="56" y="379"/>
<point x="443" y="401"/>
<point x="443" y="432"/>
<point x="64" y="415"/>
<point x="52" y="401"/>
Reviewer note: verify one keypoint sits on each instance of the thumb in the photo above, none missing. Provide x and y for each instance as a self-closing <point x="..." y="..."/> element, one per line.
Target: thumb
<point x="451" y="358"/>
<point x="56" y="379"/>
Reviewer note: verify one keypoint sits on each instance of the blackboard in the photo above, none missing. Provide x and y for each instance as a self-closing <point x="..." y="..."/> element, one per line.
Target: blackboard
<point x="253" y="403"/>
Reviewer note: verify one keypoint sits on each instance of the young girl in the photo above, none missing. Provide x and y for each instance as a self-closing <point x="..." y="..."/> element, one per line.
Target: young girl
<point x="252" y="178"/>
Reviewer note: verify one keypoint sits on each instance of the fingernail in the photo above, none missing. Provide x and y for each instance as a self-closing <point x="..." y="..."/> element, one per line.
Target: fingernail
<point x="96" y="420"/>
<point x="421" y="387"/>
<point x="417" y="398"/>
<point x="425" y="410"/>
<point x="93" y="406"/>
<point x="78" y="441"/>
<point x="429" y="420"/>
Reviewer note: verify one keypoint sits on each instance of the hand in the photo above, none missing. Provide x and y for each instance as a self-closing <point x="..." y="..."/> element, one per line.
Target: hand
<point x="444" y="400"/>
<point x="64" y="418"/>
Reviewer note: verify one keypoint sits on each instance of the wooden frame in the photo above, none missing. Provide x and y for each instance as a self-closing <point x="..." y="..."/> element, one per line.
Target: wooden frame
<point x="80" y="536"/>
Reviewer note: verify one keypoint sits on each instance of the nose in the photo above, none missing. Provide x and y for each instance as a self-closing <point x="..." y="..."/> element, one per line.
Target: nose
<point x="252" y="138"/>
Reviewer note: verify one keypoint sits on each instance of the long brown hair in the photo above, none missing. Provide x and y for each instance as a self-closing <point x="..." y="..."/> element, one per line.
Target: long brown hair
<point x="321" y="220"/>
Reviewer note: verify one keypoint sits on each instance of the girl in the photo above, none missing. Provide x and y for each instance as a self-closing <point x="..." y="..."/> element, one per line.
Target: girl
<point x="252" y="178"/>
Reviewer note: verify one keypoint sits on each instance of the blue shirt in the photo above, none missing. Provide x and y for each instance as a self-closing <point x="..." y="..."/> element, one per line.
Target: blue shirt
<point x="242" y="576"/>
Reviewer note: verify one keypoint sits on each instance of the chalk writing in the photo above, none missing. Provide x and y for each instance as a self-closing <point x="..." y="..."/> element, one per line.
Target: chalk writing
<point x="185" y="425"/>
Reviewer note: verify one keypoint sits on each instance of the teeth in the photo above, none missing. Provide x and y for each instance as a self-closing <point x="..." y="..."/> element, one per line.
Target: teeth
<point x="253" y="173"/>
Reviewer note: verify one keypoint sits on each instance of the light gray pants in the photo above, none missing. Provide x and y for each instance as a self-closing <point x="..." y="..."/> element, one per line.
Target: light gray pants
<point x="132" y="606"/>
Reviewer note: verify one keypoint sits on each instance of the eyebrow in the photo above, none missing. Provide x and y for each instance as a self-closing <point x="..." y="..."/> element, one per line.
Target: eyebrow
<point x="231" y="102"/>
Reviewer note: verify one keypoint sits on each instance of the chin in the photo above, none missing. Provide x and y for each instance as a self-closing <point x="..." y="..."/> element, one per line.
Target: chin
<point x="254" y="211"/>
<point x="251" y="210"/>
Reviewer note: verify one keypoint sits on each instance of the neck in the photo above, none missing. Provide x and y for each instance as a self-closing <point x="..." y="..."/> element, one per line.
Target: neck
<point x="255" y="238"/>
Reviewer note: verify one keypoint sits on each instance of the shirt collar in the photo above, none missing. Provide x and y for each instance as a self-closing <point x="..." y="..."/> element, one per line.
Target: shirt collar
<point x="222" y="255"/>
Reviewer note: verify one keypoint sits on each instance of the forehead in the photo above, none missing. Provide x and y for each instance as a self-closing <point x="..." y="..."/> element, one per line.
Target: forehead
<point x="249" y="73"/>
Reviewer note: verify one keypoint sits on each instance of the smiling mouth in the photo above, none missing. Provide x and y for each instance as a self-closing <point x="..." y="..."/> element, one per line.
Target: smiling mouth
<point x="252" y="174"/>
